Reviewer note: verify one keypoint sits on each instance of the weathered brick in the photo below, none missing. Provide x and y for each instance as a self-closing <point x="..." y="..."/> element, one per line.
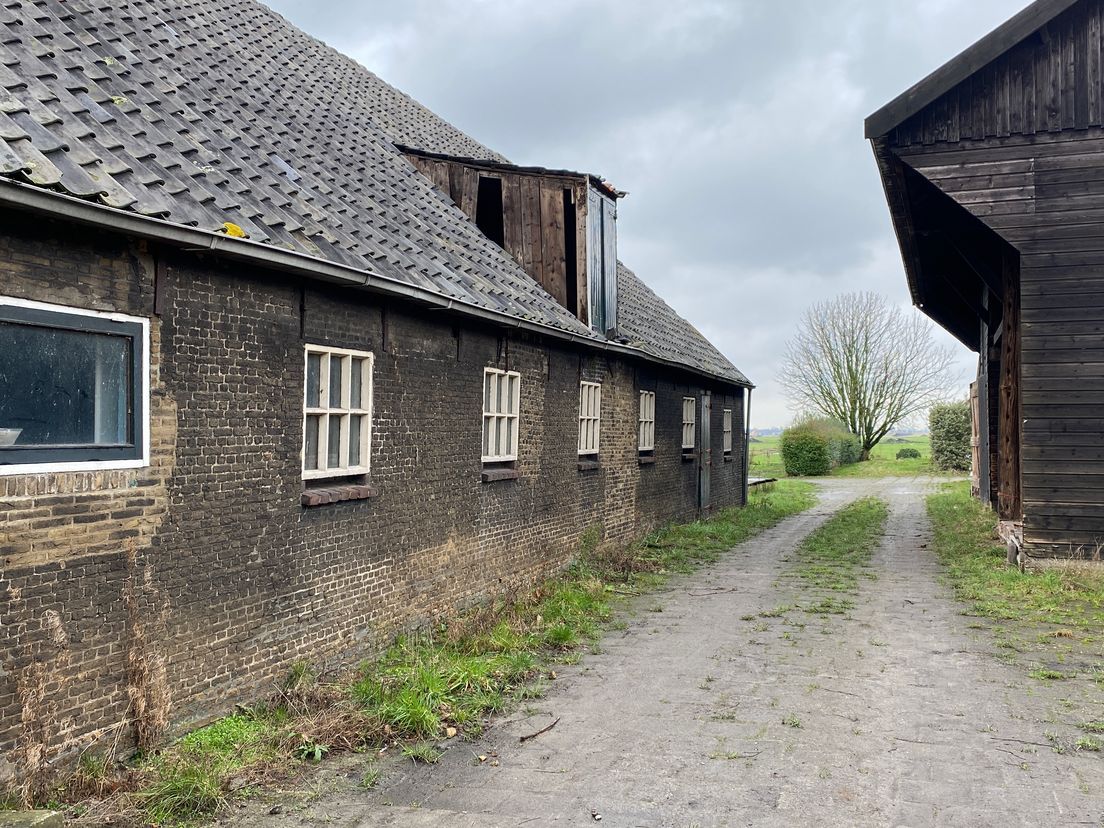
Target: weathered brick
<point x="214" y="568"/>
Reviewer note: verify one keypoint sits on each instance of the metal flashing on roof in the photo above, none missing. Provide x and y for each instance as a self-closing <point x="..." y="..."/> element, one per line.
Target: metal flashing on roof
<point x="949" y="75"/>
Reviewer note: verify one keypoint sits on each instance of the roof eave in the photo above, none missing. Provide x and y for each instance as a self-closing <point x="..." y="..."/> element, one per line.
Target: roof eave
<point x="33" y="199"/>
<point x="950" y="74"/>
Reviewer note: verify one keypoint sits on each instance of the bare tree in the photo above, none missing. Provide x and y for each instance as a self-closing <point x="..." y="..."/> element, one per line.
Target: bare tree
<point x="863" y="361"/>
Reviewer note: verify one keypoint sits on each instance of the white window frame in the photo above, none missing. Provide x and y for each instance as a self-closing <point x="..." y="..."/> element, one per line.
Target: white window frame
<point x="689" y="421"/>
<point x="726" y="430"/>
<point x="344" y="410"/>
<point x="645" y="436"/>
<point x="141" y="392"/>
<point x="495" y="420"/>
<point x="590" y="417"/>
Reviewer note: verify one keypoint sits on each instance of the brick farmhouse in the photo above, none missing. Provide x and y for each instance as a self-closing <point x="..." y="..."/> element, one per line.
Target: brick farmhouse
<point x="288" y="364"/>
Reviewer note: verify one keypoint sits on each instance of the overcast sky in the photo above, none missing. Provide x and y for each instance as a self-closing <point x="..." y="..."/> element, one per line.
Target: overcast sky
<point x="735" y="126"/>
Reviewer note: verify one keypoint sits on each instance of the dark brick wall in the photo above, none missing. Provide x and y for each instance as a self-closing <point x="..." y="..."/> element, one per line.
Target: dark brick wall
<point x="148" y="599"/>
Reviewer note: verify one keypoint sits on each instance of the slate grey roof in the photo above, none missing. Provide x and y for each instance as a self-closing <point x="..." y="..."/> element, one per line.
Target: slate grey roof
<point x="652" y="326"/>
<point x="203" y="112"/>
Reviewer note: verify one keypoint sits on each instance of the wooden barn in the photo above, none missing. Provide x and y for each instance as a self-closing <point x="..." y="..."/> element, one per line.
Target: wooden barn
<point x="993" y="167"/>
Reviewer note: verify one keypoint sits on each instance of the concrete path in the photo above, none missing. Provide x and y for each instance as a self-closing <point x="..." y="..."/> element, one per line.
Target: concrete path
<point x="706" y="712"/>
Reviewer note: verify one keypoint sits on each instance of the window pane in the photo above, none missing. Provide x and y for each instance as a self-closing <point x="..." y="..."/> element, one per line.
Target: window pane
<point x="355" y="425"/>
<point x="336" y="364"/>
<point x="314" y="380"/>
<point x="333" y="455"/>
<point x="487" y="423"/>
<point x="65" y="387"/>
<point x="310" y="443"/>
<point x="511" y="426"/>
<point x="489" y="381"/>
<point x="356" y="380"/>
<point x="502" y="388"/>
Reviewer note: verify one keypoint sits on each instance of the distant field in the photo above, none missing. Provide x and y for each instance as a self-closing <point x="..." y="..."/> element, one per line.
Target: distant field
<point x="766" y="459"/>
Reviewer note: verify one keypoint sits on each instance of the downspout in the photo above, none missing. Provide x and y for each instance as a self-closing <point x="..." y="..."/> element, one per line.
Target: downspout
<point x="747" y="446"/>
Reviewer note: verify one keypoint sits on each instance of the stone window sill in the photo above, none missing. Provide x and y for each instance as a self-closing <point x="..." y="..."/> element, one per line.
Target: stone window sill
<point x="336" y="494"/>
<point x="588" y="465"/>
<point x="494" y="475"/>
<point x="729" y="458"/>
<point x="689" y="456"/>
<point x="647" y="460"/>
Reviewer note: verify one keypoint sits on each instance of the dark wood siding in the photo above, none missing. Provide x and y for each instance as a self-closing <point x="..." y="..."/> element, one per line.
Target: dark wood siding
<point x="1044" y="194"/>
<point x="1050" y="82"/>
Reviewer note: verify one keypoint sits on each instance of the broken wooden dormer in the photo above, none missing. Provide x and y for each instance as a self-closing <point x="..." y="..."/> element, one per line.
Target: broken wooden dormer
<point x="560" y="226"/>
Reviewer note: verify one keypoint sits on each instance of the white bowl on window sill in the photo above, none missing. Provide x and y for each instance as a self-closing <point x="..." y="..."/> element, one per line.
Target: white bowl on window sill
<point x="8" y="436"/>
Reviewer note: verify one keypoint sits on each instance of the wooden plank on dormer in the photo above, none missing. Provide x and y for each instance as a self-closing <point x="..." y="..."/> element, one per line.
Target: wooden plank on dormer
<point x="552" y="239"/>
<point x="531" y="227"/>
<point x="469" y="191"/>
<point x="512" y="217"/>
<point x="439" y="175"/>
<point x="581" y="250"/>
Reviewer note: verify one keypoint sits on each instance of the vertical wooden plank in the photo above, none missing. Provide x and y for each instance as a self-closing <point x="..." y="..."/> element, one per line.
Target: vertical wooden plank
<point x="1030" y="106"/>
<point x="439" y="175"/>
<point x="1001" y="82"/>
<point x="512" y="217"/>
<point x="1069" y="76"/>
<point x="553" y="249"/>
<point x="1016" y="93"/>
<point x="940" y="117"/>
<point x="1054" y="92"/>
<point x="953" y="114"/>
<point x="456" y="183"/>
<point x="1063" y="85"/>
<point x="582" y="311"/>
<point x="469" y="193"/>
<point x="1092" y="79"/>
<point x="531" y="227"/>
<point x="975" y="441"/>
<point x="1009" y="499"/>
<point x="1081" y="74"/>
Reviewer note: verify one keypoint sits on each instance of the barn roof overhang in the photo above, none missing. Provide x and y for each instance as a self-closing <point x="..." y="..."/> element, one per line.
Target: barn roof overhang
<point x="952" y="260"/>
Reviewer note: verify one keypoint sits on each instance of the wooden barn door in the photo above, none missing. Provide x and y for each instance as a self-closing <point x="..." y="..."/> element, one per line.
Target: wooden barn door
<point x="705" y="455"/>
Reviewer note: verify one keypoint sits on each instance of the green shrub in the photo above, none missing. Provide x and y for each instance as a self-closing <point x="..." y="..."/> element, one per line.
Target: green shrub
<point x="950" y="436"/>
<point x="815" y="446"/>
<point x="908" y="454"/>
<point x="850" y="449"/>
<point x="805" y="453"/>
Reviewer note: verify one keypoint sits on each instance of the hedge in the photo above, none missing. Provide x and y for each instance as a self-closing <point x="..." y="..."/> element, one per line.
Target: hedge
<point x="950" y="427"/>
<point x="908" y="454"/>
<point x="814" y="447"/>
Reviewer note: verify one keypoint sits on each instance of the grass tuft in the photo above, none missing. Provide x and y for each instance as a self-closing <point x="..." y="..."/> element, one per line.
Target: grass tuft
<point x="423" y="752"/>
<point x="966" y="542"/>
<point x="183" y="791"/>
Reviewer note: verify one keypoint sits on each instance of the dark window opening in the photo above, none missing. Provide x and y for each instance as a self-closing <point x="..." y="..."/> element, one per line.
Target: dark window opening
<point x="488" y="210"/>
<point x="74" y="393"/>
<point x="571" y="251"/>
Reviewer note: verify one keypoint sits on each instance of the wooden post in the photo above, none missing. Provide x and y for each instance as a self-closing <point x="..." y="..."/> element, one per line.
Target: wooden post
<point x="1009" y="498"/>
<point x="975" y="441"/>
